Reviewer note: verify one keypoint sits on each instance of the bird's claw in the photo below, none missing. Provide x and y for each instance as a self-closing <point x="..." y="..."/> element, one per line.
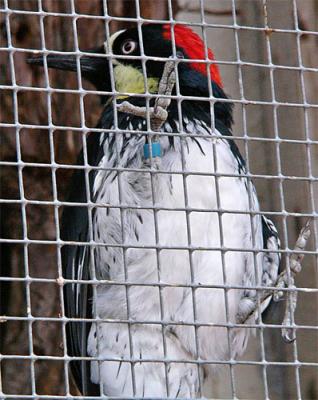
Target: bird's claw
<point x="288" y="333"/>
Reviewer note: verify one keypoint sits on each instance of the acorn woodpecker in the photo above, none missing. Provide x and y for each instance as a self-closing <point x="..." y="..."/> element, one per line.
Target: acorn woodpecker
<point x="155" y="246"/>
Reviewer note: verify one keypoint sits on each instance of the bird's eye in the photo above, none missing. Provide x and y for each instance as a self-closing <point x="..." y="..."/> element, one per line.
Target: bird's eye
<point x="129" y="46"/>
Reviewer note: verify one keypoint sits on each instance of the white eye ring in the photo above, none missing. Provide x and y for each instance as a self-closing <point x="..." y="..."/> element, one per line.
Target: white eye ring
<point x="129" y="46"/>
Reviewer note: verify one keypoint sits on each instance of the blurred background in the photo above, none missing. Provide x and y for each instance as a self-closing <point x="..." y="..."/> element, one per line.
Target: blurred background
<point x="276" y="89"/>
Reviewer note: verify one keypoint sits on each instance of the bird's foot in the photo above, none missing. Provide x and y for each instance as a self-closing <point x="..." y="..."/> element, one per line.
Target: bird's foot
<point x="288" y="332"/>
<point x="286" y="279"/>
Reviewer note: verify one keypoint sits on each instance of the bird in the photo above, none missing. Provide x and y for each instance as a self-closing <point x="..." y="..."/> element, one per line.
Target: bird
<point x="151" y="251"/>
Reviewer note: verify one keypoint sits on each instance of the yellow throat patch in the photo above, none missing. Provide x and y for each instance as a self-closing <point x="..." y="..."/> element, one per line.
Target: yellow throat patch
<point x="130" y="80"/>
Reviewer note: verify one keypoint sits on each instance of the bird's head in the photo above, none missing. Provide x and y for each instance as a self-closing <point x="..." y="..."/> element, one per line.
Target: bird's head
<point x="126" y="49"/>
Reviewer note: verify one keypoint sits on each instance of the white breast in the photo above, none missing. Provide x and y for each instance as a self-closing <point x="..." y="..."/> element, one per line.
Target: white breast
<point x="172" y="231"/>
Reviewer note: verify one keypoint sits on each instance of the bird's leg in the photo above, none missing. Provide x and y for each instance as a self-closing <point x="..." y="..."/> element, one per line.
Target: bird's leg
<point x="166" y="85"/>
<point x="287" y="279"/>
<point x="295" y="261"/>
<point x="288" y="333"/>
<point x="158" y="114"/>
<point x="284" y="280"/>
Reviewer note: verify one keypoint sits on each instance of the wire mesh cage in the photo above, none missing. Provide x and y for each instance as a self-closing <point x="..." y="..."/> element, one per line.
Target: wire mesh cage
<point x="143" y="267"/>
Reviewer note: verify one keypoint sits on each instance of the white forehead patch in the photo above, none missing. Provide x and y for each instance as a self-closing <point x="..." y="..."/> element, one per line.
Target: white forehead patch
<point x="109" y="45"/>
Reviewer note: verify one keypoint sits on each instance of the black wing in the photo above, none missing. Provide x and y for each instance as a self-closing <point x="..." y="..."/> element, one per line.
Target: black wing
<point x="271" y="242"/>
<point x="76" y="266"/>
<point x="271" y="269"/>
<point x="76" y="259"/>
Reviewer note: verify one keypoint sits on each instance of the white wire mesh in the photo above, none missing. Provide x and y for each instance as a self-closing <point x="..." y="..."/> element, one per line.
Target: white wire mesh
<point x="260" y="356"/>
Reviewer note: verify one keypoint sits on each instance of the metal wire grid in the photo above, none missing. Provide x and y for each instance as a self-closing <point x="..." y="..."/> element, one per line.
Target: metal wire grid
<point x="56" y="203"/>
